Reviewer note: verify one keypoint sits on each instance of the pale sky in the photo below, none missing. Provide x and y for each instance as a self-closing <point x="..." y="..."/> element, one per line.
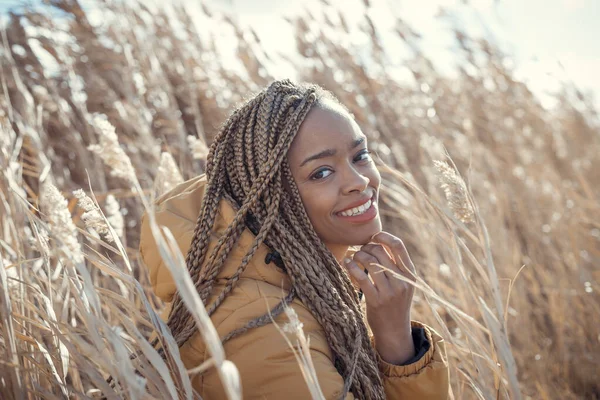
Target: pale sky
<point x="550" y="41"/>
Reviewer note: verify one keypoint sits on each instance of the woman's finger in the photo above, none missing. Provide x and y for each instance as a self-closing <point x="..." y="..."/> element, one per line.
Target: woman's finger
<point x="370" y="262"/>
<point x="383" y="255"/>
<point x="361" y="278"/>
<point x="398" y="251"/>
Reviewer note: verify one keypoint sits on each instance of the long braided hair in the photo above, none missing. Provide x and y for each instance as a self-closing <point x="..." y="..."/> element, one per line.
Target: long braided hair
<point x="247" y="166"/>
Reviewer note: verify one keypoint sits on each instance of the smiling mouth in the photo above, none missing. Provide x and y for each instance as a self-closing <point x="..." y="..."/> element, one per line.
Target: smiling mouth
<point x="358" y="210"/>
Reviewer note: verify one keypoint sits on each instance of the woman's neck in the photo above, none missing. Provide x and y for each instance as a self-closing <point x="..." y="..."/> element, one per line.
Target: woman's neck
<point x="338" y="251"/>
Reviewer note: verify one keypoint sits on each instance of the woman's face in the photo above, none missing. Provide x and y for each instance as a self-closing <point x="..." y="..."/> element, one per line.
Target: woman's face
<point x="334" y="172"/>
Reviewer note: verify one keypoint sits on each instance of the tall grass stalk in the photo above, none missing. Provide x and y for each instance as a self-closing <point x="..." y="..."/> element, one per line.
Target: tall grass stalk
<point x="506" y="244"/>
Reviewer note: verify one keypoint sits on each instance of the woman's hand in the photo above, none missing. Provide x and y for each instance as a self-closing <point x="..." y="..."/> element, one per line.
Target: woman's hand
<point x="388" y="298"/>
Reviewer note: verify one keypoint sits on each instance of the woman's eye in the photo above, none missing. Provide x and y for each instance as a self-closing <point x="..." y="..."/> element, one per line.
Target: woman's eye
<point x="363" y="156"/>
<point x="317" y="175"/>
<point x="366" y="153"/>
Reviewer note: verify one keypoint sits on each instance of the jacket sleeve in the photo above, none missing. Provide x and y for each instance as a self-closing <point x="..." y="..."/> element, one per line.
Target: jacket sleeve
<point x="269" y="370"/>
<point x="426" y="378"/>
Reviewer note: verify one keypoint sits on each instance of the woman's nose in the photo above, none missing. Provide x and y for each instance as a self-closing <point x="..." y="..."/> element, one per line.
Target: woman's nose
<point x="356" y="182"/>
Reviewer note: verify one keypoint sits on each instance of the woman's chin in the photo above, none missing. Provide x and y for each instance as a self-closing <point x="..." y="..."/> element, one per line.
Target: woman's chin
<point x="366" y="237"/>
<point x="359" y="235"/>
<point x="375" y="229"/>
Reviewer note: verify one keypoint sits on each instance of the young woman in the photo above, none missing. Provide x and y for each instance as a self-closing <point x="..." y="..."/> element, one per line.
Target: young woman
<point x="290" y="188"/>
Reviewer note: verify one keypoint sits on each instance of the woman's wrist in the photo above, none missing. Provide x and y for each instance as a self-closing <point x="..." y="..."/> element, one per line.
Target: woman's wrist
<point x="395" y="347"/>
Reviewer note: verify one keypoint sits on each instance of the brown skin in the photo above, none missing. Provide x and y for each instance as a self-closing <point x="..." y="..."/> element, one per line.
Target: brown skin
<point x="331" y="184"/>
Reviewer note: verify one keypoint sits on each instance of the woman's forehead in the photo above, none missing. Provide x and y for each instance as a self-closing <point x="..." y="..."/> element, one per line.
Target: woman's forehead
<point x="323" y="129"/>
<point x="327" y="122"/>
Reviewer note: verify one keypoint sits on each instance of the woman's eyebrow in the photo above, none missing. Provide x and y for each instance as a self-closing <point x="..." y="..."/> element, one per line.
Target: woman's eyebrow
<point x="331" y="152"/>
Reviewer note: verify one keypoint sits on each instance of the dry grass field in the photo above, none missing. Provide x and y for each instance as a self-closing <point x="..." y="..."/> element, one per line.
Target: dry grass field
<point x="496" y="197"/>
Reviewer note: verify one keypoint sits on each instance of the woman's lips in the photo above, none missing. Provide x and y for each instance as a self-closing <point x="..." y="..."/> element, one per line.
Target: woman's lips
<point x="368" y="215"/>
<point x="359" y="203"/>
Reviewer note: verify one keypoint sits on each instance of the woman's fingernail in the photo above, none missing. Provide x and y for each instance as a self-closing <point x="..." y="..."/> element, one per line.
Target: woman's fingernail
<point x="347" y="260"/>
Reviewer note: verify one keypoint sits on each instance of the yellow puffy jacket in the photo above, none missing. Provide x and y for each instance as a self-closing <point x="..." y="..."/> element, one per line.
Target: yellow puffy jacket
<point x="266" y="363"/>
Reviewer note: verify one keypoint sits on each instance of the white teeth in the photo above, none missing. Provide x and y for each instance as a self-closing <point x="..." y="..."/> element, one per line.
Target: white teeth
<point x="357" y="210"/>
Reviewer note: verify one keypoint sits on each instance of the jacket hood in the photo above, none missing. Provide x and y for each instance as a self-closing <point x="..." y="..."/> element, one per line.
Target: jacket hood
<point x="178" y="209"/>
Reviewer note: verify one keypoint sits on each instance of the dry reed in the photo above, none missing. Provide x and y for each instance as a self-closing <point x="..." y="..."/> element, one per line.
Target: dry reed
<point x="506" y="250"/>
